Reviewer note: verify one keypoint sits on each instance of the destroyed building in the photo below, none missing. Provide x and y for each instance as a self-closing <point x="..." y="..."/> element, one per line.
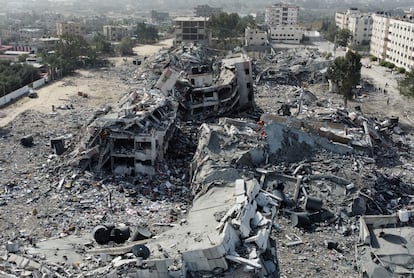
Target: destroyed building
<point x="272" y="196"/>
<point x="131" y="138"/>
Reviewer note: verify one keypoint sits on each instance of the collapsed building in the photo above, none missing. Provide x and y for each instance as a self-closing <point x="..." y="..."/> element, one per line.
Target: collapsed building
<point x="131" y="139"/>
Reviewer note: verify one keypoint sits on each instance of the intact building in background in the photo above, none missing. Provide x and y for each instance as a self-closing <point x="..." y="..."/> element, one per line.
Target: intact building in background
<point x="282" y="21"/>
<point x="68" y="28"/>
<point x="191" y="30"/>
<point x="159" y="17"/>
<point x="392" y="39"/>
<point x="360" y="25"/>
<point x="282" y="14"/>
<point x="206" y="11"/>
<point x="115" y="33"/>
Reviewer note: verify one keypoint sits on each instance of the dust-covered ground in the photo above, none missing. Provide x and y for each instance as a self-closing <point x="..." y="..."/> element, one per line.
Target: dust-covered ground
<point x="39" y="199"/>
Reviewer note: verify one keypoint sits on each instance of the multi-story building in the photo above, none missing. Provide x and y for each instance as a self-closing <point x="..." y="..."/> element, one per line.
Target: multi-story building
<point x="282" y="14"/>
<point x="256" y="36"/>
<point x="68" y="28"/>
<point x="400" y="50"/>
<point x="393" y="39"/>
<point x="342" y="19"/>
<point x="191" y="30"/>
<point x="359" y="24"/>
<point x="206" y="11"/>
<point x="159" y="17"/>
<point x="27" y="34"/>
<point x="379" y="36"/>
<point x="287" y="33"/>
<point x="115" y="33"/>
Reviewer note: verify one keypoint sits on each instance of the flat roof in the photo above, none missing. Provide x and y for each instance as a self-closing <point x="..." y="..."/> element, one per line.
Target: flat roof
<point x="191" y="18"/>
<point x="12" y="52"/>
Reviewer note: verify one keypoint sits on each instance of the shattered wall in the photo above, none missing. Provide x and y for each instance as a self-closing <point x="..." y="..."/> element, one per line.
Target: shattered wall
<point x="131" y="139"/>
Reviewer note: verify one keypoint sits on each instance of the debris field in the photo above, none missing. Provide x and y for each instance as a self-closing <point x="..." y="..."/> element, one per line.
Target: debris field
<point x="209" y="166"/>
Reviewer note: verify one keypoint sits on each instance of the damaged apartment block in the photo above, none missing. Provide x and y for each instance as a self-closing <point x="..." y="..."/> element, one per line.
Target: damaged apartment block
<point x="132" y="139"/>
<point x="207" y="87"/>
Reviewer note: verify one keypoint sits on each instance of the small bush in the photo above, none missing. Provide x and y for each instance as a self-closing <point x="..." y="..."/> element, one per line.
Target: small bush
<point x="390" y="65"/>
<point x="401" y="70"/>
<point x="383" y="63"/>
<point x="373" y="59"/>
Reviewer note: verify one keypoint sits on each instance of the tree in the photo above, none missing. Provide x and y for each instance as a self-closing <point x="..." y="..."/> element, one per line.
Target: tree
<point x="329" y="29"/>
<point x="224" y="25"/>
<point x="69" y="50"/>
<point x="125" y="47"/>
<point x="342" y="37"/>
<point x="146" y="33"/>
<point x="102" y="45"/>
<point x="345" y="73"/>
<point x="407" y="85"/>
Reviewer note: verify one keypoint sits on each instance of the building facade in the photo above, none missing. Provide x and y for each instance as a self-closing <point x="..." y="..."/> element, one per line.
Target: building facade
<point x="379" y="36"/>
<point x="256" y="37"/>
<point x="159" y="17"/>
<point x="115" y="33"/>
<point x="400" y="48"/>
<point x="359" y="24"/>
<point x="287" y="33"/>
<point x="282" y="14"/>
<point x="27" y="34"/>
<point x="68" y="28"/>
<point x="393" y="39"/>
<point x="191" y="30"/>
<point x="206" y="11"/>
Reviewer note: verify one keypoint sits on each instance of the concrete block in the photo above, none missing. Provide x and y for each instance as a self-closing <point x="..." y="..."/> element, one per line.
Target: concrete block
<point x="239" y="189"/>
<point x="222" y="263"/>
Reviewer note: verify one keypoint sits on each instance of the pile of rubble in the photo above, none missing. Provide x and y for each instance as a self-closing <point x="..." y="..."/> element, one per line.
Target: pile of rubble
<point x="272" y="191"/>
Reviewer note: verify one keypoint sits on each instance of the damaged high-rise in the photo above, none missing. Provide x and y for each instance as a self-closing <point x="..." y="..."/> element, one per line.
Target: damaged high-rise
<point x="132" y="139"/>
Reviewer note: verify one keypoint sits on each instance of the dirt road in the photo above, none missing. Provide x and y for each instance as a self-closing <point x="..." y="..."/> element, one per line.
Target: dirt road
<point x="101" y="86"/>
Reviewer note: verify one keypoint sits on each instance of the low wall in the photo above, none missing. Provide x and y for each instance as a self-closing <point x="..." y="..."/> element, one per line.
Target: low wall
<point x="4" y="100"/>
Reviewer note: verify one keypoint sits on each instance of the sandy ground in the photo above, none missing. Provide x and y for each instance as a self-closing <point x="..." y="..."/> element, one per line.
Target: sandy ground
<point x="101" y="87"/>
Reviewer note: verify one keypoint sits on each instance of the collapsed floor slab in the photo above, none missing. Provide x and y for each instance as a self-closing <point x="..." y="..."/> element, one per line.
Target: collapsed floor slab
<point x="132" y="138"/>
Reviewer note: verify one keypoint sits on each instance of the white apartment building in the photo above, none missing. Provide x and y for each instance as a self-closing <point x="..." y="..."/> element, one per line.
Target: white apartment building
<point x="360" y="25"/>
<point x="400" y="50"/>
<point x="287" y="34"/>
<point x="255" y="37"/>
<point x="342" y="19"/>
<point x="379" y="36"/>
<point x="393" y="40"/>
<point x="282" y="20"/>
<point x="282" y="14"/>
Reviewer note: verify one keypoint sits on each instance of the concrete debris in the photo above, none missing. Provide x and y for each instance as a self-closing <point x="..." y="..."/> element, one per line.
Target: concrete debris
<point x="131" y="139"/>
<point x="208" y="167"/>
<point x="385" y="244"/>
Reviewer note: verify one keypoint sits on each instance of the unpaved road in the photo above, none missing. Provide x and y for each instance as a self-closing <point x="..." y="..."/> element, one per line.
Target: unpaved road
<point x="101" y="87"/>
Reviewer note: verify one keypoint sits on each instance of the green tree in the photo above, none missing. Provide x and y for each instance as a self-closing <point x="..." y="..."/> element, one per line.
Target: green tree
<point x="406" y="85"/>
<point x="69" y="51"/>
<point x="125" y="47"/>
<point x="224" y="25"/>
<point x="342" y="37"/>
<point x="15" y="76"/>
<point x="101" y="44"/>
<point x="146" y="33"/>
<point x="329" y="29"/>
<point x="345" y="73"/>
